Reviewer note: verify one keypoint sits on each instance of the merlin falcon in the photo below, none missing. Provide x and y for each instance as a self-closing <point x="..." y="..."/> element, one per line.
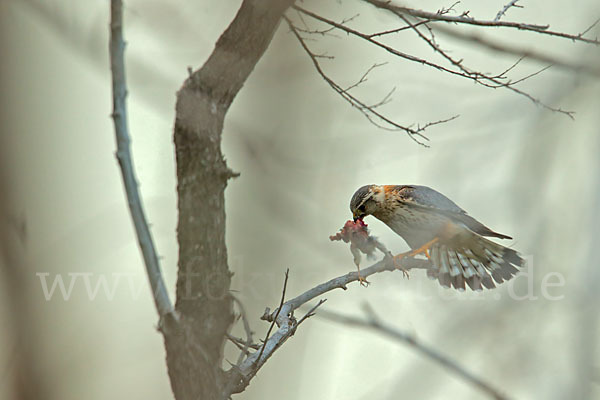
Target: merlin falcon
<point x="433" y="225"/>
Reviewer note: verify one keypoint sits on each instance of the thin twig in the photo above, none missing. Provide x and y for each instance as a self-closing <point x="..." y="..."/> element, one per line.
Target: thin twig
<point x="504" y="9"/>
<point x="375" y="117"/>
<point x="389" y="32"/>
<point x="512" y="50"/>
<point x="311" y="312"/>
<point x="239" y="378"/>
<point x="374" y="323"/>
<point x="240" y="343"/>
<point x="246" y="324"/>
<point x="364" y="77"/>
<point x="489" y="81"/>
<point x="539" y="71"/>
<point x="444" y="10"/>
<point x="502" y="75"/>
<point x="119" y="115"/>
<point x="464" y="19"/>
<point x="589" y="28"/>
<point x="387" y="48"/>
<point x="262" y="349"/>
<point x="321" y="32"/>
<point x="482" y="79"/>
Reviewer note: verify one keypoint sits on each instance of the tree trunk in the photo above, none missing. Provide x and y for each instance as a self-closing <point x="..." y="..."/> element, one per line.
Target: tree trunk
<point x="195" y="345"/>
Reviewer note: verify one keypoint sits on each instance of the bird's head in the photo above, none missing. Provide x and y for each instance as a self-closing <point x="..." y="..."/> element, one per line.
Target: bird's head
<point x="366" y="200"/>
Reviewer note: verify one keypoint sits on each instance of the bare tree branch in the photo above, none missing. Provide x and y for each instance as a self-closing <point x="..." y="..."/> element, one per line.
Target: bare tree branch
<point x="508" y="49"/>
<point x="373" y="322"/>
<point x="241" y="343"/>
<point x="283" y="316"/>
<point x="322" y="32"/>
<point x="484" y="79"/>
<point x="504" y="9"/>
<point x="487" y="80"/>
<point x="248" y="342"/>
<point x="589" y="28"/>
<point x="119" y="115"/>
<point x="464" y="19"/>
<point x="311" y="312"/>
<point x="262" y="349"/>
<point x="396" y="30"/>
<point x="364" y="77"/>
<point x="375" y="117"/>
<point x="369" y="38"/>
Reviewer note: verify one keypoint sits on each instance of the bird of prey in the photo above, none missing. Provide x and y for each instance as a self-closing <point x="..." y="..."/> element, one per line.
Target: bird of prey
<point x="433" y="225"/>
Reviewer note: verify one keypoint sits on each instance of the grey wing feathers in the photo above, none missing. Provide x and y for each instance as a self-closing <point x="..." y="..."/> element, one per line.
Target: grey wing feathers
<point x="481" y="264"/>
<point x="426" y="197"/>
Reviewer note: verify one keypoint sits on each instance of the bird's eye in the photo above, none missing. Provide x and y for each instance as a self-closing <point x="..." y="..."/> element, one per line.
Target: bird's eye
<point x="362" y="208"/>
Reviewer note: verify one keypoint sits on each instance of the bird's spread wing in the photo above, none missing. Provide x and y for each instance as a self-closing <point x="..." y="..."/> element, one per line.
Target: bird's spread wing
<point x="425" y="197"/>
<point x="429" y="200"/>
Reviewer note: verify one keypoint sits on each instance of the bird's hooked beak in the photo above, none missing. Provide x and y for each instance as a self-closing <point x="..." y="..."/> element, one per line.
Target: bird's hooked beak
<point x="356" y="217"/>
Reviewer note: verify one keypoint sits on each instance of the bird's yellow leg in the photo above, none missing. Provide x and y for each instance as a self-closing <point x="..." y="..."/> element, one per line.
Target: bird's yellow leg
<point x="421" y="250"/>
<point x="363" y="281"/>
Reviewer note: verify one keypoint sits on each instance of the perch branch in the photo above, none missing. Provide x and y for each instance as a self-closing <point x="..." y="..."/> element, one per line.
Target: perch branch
<point x="283" y="316"/>
<point x="373" y="322"/>
<point x="119" y="116"/>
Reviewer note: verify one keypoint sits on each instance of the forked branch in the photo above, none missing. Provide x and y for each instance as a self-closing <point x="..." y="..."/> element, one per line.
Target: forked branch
<point x="457" y="66"/>
<point x="465" y="19"/>
<point x="283" y="316"/>
<point x="369" y="111"/>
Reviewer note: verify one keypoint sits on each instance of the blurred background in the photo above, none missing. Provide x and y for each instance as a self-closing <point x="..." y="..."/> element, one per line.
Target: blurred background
<point x="76" y="312"/>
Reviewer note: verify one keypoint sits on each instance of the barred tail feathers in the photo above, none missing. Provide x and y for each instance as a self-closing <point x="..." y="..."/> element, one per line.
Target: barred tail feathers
<point x="482" y="263"/>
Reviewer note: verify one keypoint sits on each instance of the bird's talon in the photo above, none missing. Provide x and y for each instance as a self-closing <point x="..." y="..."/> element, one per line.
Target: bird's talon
<point x="397" y="259"/>
<point x="405" y="273"/>
<point x="363" y="281"/>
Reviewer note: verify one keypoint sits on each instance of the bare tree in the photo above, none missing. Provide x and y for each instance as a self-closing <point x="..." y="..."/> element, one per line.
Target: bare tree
<point x="196" y="328"/>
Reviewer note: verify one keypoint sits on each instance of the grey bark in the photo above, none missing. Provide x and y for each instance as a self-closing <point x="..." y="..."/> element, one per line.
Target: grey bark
<point x="195" y="344"/>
